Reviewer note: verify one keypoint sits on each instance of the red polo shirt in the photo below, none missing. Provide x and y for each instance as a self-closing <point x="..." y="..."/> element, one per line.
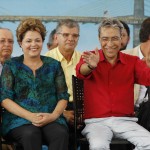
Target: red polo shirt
<point x="109" y="90"/>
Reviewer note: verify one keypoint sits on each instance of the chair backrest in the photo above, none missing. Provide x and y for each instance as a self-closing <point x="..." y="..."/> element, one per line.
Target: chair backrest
<point x="78" y="99"/>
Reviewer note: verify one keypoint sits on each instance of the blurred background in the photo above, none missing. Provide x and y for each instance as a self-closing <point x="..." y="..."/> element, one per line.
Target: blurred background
<point x="87" y="12"/>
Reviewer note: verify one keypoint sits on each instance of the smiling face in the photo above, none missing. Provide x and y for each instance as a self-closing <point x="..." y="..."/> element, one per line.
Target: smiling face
<point x="6" y="43"/>
<point x="32" y="44"/>
<point x="110" y="39"/>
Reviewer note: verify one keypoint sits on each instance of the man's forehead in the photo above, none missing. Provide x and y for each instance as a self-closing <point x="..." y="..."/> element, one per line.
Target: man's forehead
<point x="67" y="28"/>
<point x="6" y="35"/>
<point x="106" y="31"/>
<point x="110" y="28"/>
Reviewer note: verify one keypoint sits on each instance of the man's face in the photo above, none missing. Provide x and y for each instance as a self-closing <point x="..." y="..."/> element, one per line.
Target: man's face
<point x="6" y="43"/>
<point x="110" y="39"/>
<point x="124" y="39"/>
<point x="67" y="38"/>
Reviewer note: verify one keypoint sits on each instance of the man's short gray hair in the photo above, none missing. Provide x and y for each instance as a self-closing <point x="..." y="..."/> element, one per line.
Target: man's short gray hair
<point x="110" y="22"/>
<point x="70" y="23"/>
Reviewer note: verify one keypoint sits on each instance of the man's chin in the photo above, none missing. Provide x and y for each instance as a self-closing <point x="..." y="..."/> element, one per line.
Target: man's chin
<point x="6" y="55"/>
<point x="70" y="48"/>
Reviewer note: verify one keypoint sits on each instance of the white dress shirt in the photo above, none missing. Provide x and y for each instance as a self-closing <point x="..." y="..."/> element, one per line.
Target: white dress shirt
<point x="143" y="89"/>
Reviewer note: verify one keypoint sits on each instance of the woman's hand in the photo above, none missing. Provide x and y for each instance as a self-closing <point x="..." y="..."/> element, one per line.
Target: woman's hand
<point x="43" y="119"/>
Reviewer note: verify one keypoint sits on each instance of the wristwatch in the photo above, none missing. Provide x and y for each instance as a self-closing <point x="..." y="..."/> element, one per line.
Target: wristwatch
<point x="90" y="67"/>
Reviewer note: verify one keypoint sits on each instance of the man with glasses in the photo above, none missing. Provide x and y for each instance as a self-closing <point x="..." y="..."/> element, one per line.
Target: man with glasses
<point x="109" y="76"/>
<point x="6" y="45"/>
<point x="6" y="49"/>
<point x="67" y="35"/>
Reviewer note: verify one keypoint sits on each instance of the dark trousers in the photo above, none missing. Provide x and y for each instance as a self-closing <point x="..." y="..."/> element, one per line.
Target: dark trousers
<point x="54" y="135"/>
<point x="71" y="137"/>
<point x="121" y="147"/>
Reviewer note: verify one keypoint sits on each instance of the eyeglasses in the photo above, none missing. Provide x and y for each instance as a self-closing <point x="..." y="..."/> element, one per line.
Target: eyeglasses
<point x="112" y="39"/>
<point x="2" y="41"/>
<point x="66" y="35"/>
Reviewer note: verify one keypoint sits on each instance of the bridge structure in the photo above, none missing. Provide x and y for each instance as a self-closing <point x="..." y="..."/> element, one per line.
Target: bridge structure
<point x="136" y="19"/>
<point x="128" y="19"/>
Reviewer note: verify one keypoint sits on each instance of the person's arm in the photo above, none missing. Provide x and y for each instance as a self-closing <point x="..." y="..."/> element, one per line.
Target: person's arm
<point x="17" y="110"/>
<point x="85" y="69"/>
<point x="91" y="61"/>
<point x="60" y="107"/>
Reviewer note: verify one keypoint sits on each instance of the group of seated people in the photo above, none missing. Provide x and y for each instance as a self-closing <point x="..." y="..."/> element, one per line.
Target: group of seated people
<point x="36" y="90"/>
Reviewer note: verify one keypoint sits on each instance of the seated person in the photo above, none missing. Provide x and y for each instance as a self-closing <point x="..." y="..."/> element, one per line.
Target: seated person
<point x="34" y="93"/>
<point x="109" y="77"/>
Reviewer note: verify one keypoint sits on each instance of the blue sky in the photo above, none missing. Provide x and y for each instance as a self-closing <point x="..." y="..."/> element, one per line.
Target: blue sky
<point x="88" y="32"/>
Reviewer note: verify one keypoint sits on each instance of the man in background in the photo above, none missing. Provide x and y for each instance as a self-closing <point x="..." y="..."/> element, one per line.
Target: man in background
<point x="67" y="36"/>
<point x="52" y="42"/>
<point x="6" y="45"/>
<point x="125" y="36"/>
<point x="141" y="51"/>
<point x="6" y="49"/>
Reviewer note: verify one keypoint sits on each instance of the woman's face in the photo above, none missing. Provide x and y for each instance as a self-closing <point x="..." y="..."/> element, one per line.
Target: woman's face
<point x="32" y="44"/>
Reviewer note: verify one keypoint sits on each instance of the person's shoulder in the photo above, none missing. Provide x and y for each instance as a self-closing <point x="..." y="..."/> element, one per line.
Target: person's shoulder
<point x="49" y="59"/>
<point x="129" y="57"/>
<point x="16" y="59"/>
<point x="50" y="62"/>
<point x="14" y="62"/>
<point x="50" y="52"/>
<point x="127" y="51"/>
<point x="78" y="53"/>
<point x="133" y="51"/>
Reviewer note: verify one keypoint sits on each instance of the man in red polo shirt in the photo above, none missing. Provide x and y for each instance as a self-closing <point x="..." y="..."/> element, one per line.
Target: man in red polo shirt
<point x="109" y="78"/>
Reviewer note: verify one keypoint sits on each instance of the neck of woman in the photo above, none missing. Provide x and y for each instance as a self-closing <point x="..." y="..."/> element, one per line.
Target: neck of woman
<point x="33" y="63"/>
